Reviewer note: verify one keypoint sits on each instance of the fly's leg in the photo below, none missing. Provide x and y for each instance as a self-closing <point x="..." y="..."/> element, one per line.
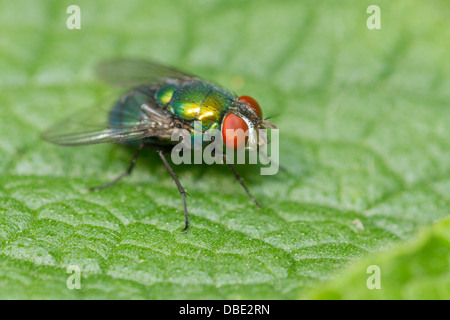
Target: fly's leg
<point x="241" y="182"/>
<point x="126" y="173"/>
<point x="180" y="189"/>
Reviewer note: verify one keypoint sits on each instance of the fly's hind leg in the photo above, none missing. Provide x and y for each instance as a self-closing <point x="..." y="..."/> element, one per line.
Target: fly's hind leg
<point x="126" y="173"/>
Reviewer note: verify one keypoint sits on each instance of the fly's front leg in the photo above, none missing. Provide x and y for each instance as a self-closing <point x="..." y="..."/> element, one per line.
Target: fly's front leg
<point x="241" y="182"/>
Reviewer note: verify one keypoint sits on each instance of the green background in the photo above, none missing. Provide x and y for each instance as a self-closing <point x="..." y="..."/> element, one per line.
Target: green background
<point x="364" y="134"/>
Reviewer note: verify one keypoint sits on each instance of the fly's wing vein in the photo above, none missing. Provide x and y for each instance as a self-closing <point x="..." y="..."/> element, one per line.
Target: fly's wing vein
<point x="135" y="116"/>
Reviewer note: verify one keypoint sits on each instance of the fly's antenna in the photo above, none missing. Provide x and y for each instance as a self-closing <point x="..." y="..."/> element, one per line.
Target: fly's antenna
<point x="267" y="124"/>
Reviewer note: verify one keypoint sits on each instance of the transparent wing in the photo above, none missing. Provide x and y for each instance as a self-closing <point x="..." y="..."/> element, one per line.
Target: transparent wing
<point x="134" y="72"/>
<point x="135" y="116"/>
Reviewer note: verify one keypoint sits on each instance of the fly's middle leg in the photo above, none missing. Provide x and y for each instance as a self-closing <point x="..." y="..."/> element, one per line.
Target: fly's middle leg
<point x="180" y="189"/>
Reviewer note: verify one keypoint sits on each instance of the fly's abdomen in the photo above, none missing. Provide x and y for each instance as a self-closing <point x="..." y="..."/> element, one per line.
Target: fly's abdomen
<point x="127" y="111"/>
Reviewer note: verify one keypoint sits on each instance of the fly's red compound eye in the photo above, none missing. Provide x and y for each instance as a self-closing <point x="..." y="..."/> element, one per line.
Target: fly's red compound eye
<point x="252" y="103"/>
<point x="235" y="139"/>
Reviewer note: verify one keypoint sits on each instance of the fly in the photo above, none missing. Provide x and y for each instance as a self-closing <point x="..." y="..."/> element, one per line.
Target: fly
<point x="160" y="100"/>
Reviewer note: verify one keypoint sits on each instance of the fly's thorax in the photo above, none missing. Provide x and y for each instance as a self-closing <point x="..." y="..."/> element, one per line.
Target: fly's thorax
<point x="195" y="101"/>
<point x="164" y="94"/>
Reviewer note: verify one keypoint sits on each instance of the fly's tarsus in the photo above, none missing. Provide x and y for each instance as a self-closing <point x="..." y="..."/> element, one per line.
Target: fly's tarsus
<point x="180" y="189"/>
<point x="126" y="173"/>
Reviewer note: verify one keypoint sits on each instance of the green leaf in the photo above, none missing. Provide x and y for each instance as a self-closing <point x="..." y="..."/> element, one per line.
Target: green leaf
<point x="417" y="269"/>
<point x="363" y="117"/>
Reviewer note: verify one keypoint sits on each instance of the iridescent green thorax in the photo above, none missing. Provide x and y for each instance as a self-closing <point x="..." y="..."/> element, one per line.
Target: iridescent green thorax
<point x="164" y="94"/>
<point x="195" y="101"/>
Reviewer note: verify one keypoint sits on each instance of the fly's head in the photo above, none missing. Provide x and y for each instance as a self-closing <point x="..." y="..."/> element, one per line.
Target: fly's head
<point x="240" y="126"/>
